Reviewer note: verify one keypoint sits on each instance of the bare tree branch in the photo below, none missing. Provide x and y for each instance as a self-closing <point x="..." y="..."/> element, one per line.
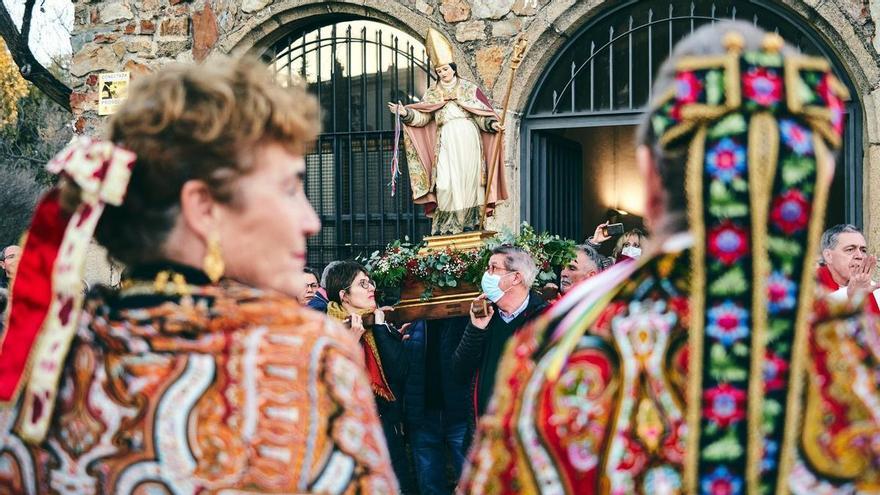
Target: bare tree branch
<point x="26" y="20"/>
<point x="31" y="69"/>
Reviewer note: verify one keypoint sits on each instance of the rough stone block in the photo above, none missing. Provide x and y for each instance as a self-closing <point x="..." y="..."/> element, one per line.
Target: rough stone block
<point x="205" y="33"/>
<point x="555" y="9"/>
<point x="93" y="58"/>
<point x="870" y="107"/>
<point x="84" y="101"/>
<point x="149" y="5"/>
<point x="174" y="26"/>
<point x="491" y="9"/>
<point x="106" y="37"/>
<point x="148" y="26"/>
<point x="470" y="31"/>
<point x="871" y="190"/>
<point x="118" y="49"/>
<point x="140" y="44"/>
<point x="455" y="10"/>
<point x="249" y="6"/>
<point x="507" y="28"/>
<point x="424" y="7"/>
<point x="115" y="11"/>
<point x="137" y="68"/>
<point x="488" y="62"/>
<point x="525" y="7"/>
<point x="874" y="10"/>
<point x="170" y="48"/>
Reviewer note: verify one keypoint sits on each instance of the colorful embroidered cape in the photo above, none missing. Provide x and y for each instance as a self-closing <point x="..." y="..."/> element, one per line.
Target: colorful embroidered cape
<point x="707" y="367"/>
<point x="180" y="388"/>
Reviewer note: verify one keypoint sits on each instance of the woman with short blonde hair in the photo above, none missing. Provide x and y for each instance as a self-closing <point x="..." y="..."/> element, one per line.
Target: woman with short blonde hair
<point x="203" y="373"/>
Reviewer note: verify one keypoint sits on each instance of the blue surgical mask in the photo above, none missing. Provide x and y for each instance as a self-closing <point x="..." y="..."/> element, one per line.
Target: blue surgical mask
<point x="491" y="286"/>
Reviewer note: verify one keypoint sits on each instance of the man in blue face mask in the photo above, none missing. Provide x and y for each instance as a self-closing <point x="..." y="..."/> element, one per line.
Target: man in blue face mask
<point x="507" y="284"/>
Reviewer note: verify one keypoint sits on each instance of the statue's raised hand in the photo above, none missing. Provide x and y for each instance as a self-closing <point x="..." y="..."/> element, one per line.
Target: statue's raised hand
<point x="397" y="108"/>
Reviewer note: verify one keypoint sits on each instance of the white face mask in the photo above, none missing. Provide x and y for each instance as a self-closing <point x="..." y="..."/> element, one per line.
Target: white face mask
<point x="631" y="251"/>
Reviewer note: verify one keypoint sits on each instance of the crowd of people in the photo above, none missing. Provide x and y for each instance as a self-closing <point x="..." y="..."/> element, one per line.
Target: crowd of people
<point x="700" y="359"/>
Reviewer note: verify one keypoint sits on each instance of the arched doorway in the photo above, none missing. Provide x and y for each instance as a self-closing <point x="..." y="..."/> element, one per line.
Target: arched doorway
<point x="577" y="136"/>
<point x="354" y="67"/>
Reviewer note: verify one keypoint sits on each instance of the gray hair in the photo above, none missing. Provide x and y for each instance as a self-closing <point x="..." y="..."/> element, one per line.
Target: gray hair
<point x="670" y="163"/>
<point x="518" y="260"/>
<point x="326" y="271"/>
<point x="592" y="255"/>
<point x="829" y="237"/>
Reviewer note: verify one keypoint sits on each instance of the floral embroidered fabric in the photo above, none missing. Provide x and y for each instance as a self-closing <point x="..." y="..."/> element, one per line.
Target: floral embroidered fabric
<point x="178" y="388"/>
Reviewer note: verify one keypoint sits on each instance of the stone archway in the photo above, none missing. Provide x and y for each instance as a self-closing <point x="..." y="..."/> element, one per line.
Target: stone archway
<point x="829" y="19"/>
<point x="269" y="25"/>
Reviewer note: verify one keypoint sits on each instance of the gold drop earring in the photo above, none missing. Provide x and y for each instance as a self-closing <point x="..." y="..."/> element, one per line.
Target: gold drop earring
<point x="213" y="264"/>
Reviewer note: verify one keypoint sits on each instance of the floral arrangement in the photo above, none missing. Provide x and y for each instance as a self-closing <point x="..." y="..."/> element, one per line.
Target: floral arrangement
<point x="400" y="262"/>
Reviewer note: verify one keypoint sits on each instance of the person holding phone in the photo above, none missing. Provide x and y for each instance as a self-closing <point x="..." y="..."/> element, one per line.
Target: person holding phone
<point x="509" y="304"/>
<point x="629" y="244"/>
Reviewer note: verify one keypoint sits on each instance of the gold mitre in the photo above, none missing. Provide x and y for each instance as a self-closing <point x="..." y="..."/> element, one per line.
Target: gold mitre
<point x="438" y="47"/>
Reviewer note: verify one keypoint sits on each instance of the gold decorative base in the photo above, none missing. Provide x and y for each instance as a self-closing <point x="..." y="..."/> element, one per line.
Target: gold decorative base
<point x="457" y="242"/>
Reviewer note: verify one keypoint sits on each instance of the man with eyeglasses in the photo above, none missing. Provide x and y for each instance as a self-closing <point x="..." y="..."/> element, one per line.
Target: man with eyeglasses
<point x="310" y="290"/>
<point x="507" y="284"/>
<point x="9" y="261"/>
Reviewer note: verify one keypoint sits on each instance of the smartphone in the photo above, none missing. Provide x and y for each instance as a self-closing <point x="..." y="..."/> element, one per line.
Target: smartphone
<point x="480" y="308"/>
<point x="612" y="229"/>
<point x="368" y="320"/>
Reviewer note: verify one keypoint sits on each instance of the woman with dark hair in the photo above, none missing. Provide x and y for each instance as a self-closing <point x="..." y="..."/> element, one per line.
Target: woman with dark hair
<point x="352" y="297"/>
<point x="203" y="373"/>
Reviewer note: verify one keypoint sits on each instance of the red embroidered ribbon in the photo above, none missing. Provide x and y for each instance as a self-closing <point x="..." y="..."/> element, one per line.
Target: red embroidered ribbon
<point x="32" y="287"/>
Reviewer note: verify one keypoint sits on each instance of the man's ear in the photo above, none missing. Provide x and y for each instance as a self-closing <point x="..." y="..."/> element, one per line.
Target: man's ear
<point x="655" y="198"/>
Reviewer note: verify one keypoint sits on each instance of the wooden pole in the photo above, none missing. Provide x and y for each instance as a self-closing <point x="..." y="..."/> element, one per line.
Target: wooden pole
<point x="519" y="49"/>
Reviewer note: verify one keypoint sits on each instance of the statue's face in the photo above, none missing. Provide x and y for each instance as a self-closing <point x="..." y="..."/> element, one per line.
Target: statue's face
<point x="445" y="73"/>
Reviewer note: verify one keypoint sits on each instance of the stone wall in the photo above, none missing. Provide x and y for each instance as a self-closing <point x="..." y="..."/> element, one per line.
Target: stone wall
<point x="113" y="35"/>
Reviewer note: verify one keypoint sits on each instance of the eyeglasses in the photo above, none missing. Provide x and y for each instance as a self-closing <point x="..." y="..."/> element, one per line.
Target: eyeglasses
<point x="365" y="283"/>
<point x="313" y="285"/>
<point x="492" y="269"/>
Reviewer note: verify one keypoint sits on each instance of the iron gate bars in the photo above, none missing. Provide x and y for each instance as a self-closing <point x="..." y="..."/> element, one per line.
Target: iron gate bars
<point x="354" y="67"/>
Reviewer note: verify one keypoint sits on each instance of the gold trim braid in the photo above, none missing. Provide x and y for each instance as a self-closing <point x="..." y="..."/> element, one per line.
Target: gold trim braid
<point x="694" y="188"/>
<point x="763" y="155"/>
<point x="794" y="399"/>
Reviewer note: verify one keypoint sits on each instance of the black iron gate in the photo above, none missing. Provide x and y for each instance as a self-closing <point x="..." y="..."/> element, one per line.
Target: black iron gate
<point x="354" y="68"/>
<point x="603" y="77"/>
<point x="556" y="184"/>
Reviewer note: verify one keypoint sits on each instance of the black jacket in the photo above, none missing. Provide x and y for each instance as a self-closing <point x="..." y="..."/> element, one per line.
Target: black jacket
<point x="395" y="365"/>
<point x="476" y="359"/>
<point x="430" y="384"/>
